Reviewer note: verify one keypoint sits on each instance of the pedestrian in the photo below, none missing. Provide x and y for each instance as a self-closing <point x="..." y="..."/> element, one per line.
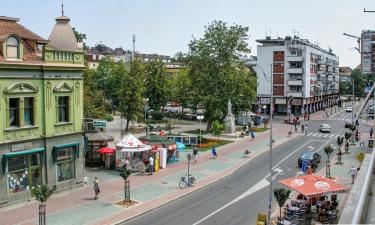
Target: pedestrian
<point x="353" y="173"/>
<point x="308" y="116"/>
<point x="213" y="151"/>
<point x="371" y="132"/>
<point x="246" y="153"/>
<point x="195" y="154"/>
<point x="305" y="129"/>
<point x="96" y="188"/>
<point x="305" y="116"/>
<point x="151" y="164"/>
<point x="252" y="135"/>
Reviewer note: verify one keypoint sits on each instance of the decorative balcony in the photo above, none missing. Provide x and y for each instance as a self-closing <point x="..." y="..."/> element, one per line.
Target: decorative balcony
<point x="294" y="70"/>
<point x="296" y="94"/>
<point x="294" y="58"/>
<point x="295" y="82"/>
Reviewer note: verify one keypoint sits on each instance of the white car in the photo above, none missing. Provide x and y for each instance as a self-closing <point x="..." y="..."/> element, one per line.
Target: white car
<point x="325" y="128"/>
<point x="349" y="109"/>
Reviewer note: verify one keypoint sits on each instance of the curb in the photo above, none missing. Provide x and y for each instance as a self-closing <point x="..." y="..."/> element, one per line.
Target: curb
<point x="225" y="174"/>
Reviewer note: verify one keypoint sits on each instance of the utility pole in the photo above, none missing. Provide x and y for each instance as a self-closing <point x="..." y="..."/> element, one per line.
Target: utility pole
<point x="271" y="172"/>
<point x="133" y="52"/>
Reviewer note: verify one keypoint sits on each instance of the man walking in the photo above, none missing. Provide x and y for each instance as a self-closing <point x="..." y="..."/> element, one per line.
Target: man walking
<point x="353" y="173"/>
<point x="305" y="129"/>
<point x="213" y="151"/>
<point x="371" y="132"/>
<point x="151" y="165"/>
<point x="195" y="154"/>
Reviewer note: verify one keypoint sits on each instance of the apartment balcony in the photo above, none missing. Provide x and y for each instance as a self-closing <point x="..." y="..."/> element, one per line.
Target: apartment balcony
<point x="294" y="58"/>
<point x="295" y="46"/>
<point x="320" y="72"/>
<point x="296" y="94"/>
<point x="295" y="82"/>
<point x="330" y="78"/>
<point x="319" y="61"/>
<point x="294" y="70"/>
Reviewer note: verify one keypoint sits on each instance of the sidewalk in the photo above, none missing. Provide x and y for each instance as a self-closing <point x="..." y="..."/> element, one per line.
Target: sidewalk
<point x="78" y="207"/>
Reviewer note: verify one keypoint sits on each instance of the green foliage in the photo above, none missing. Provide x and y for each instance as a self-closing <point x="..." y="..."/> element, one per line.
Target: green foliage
<point x="217" y="128"/>
<point x="360" y="156"/>
<point x="94" y="105"/>
<point x="108" y="117"/>
<point x="130" y="92"/>
<point x="43" y="192"/>
<point x="183" y="91"/>
<point x="347" y="135"/>
<point x="124" y="173"/>
<point x="157" y="115"/>
<point x="359" y="83"/>
<point x="218" y="73"/>
<point x="281" y="196"/>
<point x="328" y="149"/>
<point x="353" y="128"/>
<point x="157" y="86"/>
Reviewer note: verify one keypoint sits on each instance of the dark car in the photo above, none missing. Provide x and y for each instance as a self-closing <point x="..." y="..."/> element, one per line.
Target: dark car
<point x="312" y="158"/>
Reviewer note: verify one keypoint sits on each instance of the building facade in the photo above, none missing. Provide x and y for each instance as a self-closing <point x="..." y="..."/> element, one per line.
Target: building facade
<point x="305" y="76"/>
<point x="41" y="113"/>
<point x="367" y="50"/>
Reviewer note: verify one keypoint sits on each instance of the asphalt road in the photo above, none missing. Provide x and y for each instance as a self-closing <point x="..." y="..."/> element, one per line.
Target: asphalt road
<point x="237" y="199"/>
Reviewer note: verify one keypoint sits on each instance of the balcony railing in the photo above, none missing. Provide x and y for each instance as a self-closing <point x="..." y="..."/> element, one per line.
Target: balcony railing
<point x="295" y="82"/>
<point x="294" y="58"/>
<point x="294" y="70"/>
<point x="295" y="93"/>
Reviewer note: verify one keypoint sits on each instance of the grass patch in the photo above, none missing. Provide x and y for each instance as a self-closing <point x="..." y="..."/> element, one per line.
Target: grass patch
<point x="208" y="145"/>
<point x="259" y="129"/>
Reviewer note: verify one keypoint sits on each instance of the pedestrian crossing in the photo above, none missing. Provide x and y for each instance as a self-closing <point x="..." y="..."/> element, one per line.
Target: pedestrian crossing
<point x="346" y="118"/>
<point x="321" y="135"/>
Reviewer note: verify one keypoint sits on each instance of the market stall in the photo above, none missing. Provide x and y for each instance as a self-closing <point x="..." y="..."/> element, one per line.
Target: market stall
<point x="163" y="142"/>
<point x="131" y="152"/>
<point x="93" y="142"/>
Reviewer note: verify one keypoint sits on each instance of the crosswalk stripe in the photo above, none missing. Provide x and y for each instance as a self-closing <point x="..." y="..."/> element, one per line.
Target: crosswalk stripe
<point x="314" y="134"/>
<point x="337" y="136"/>
<point x="332" y="135"/>
<point x="325" y="135"/>
<point x="320" y="135"/>
<point x="309" y="134"/>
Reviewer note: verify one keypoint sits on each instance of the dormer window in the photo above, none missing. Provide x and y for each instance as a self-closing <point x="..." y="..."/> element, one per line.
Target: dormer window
<point x="13" y="48"/>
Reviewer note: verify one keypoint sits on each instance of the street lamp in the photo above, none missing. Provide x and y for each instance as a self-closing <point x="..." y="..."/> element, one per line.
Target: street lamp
<point x="200" y="118"/>
<point x="264" y="120"/>
<point x="145" y="100"/>
<point x="290" y="113"/>
<point x="271" y="142"/>
<point x="352" y="101"/>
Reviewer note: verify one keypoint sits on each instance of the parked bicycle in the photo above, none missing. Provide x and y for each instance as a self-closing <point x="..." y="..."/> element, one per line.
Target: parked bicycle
<point x="184" y="182"/>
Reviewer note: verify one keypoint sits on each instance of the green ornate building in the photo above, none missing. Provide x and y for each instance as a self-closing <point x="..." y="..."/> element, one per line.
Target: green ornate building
<point x="41" y="110"/>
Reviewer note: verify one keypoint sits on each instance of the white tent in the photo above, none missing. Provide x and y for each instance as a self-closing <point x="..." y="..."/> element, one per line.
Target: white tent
<point x="131" y="144"/>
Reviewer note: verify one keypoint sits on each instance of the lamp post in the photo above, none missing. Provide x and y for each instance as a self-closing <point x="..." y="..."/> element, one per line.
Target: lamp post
<point x="264" y="120"/>
<point x="200" y="118"/>
<point x="145" y="100"/>
<point x="352" y="100"/>
<point x="290" y="112"/>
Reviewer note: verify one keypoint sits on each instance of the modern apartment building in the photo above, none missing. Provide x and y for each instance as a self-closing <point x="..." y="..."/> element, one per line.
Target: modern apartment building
<point x="41" y="109"/>
<point x="367" y="50"/>
<point x="305" y="76"/>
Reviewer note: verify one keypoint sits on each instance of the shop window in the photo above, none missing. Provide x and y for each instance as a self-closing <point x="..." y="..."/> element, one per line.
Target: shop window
<point x="24" y="172"/>
<point x="14" y="112"/>
<point x="13" y="46"/>
<point x="63" y="109"/>
<point x="65" y="159"/>
<point x="29" y="111"/>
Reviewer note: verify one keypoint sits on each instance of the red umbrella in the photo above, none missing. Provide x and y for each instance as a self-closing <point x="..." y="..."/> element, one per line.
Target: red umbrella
<point x="106" y="150"/>
<point x="313" y="185"/>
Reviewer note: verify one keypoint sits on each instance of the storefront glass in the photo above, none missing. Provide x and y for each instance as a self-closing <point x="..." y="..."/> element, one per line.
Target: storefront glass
<point x="65" y="164"/>
<point x="24" y="172"/>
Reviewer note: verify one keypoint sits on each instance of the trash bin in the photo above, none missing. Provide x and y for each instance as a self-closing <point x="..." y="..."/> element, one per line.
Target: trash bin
<point x="370" y="143"/>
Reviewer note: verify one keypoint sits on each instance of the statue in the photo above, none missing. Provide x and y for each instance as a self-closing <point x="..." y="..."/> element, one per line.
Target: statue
<point x="230" y="120"/>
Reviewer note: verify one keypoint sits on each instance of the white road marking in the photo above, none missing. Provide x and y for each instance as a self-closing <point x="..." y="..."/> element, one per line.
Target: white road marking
<point x="309" y="134"/>
<point x="325" y="135"/>
<point x="332" y="135"/>
<point x="319" y="135"/>
<point x="315" y="134"/>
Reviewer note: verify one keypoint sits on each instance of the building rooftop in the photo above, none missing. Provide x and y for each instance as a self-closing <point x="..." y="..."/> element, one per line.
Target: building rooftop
<point x="62" y="36"/>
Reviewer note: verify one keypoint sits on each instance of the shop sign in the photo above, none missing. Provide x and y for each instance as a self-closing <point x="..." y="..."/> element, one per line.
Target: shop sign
<point x="22" y="146"/>
<point x="280" y="101"/>
<point x="100" y="123"/>
<point x="265" y="101"/>
<point x="296" y="101"/>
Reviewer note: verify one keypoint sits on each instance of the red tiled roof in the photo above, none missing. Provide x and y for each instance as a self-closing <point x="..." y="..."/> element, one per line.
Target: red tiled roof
<point x="12" y="27"/>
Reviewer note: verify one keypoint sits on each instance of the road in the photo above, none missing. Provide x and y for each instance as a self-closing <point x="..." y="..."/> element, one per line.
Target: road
<point x="238" y="198"/>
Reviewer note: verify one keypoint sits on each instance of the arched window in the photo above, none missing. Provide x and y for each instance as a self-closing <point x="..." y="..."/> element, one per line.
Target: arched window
<point x="13" y="48"/>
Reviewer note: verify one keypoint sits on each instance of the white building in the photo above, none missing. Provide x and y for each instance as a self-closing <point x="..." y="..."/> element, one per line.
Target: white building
<point x="305" y="76"/>
<point x="367" y="49"/>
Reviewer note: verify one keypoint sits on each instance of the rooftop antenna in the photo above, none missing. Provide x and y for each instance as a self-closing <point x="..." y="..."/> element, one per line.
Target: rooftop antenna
<point x="62" y="8"/>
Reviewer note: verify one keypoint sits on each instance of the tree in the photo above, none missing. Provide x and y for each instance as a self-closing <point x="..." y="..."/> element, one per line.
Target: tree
<point x="281" y="196"/>
<point x="347" y="136"/>
<point x="125" y="175"/>
<point x="130" y="92"/>
<point x="156" y="83"/>
<point x="359" y="83"/>
<point x="328" y="149"/>
<point x="183" y="92"/>
<point x="217" y="71"/>
<point x="217" y="128"/>
<point x="94" y="105"/>
<point x="42" y="194"/>
<point x="81" y="38"/>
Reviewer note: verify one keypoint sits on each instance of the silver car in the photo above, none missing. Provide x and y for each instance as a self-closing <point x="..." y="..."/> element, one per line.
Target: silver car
<point x="325" y="128"/>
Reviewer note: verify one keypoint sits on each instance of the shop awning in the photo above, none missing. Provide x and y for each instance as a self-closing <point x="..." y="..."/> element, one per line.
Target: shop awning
<point x="19" y="153"/>
<point x="64" y="146"/>
<point x="313" y="185"/>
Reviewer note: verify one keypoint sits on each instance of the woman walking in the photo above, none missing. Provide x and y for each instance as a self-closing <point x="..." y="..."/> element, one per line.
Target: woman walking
<point x="96" y="188"/>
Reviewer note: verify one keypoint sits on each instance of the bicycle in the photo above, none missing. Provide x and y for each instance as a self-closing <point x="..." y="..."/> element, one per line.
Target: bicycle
<point x="183" y="183"/>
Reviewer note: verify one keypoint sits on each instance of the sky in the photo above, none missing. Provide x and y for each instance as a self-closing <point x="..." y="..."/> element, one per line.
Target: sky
<point x="167" y="26"/>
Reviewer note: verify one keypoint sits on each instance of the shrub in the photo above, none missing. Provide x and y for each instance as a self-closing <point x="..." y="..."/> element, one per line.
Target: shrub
<point x="108" y="117"/>
<point x="157" y="115"/>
